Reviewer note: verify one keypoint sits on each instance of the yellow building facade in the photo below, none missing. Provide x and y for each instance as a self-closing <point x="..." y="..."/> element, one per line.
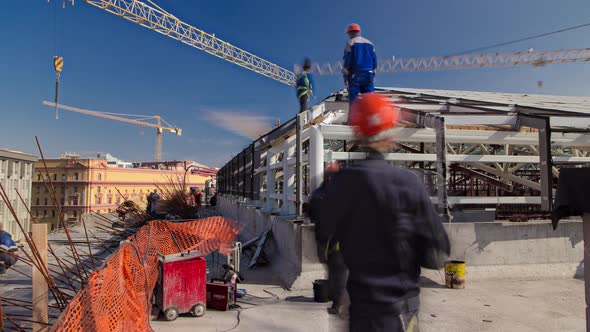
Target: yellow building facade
<point x="93" y="186"/>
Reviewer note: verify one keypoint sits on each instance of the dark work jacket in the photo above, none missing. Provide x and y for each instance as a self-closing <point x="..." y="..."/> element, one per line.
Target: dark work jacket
<point x="387" y="228"/>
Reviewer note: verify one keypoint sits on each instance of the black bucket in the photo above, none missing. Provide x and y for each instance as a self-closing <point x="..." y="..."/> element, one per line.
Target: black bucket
<point x="321" y="291"/>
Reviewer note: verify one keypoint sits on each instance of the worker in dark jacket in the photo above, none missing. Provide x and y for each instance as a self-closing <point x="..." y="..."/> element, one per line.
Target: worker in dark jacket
<point x="152" y="203"/>
<point x="329" y="250"/>
<point x="8" y="250"/>
<point x="359" y="63"/>
<point x="386" y="224"/>
<point x="304" y="85"/>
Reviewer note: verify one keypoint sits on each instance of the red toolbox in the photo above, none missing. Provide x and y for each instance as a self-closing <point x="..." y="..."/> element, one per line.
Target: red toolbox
<point x="182" y="285"/>
<point x="220" y="296"/>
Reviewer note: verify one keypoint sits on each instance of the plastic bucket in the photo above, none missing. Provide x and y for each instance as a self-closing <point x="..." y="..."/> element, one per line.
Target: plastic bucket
<point x="320" y="291"/>
<point x="455" y="274"/>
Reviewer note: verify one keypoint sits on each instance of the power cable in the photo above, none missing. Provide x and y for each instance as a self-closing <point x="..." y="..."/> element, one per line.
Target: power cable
<point x="521" y="39"/>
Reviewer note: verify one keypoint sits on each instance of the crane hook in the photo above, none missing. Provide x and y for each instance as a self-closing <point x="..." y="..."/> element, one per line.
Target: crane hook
<point x="58" y="64"/>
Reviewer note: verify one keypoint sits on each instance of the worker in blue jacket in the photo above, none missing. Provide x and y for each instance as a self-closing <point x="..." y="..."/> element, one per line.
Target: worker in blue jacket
<point x="359" y="63"/>
<point x="385" y="223"/>
<point x="8" y="250"/>
<point x="304" y="85"/>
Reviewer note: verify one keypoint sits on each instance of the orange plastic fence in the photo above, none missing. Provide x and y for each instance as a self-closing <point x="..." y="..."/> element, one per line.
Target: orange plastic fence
<point x="118" y="296"/>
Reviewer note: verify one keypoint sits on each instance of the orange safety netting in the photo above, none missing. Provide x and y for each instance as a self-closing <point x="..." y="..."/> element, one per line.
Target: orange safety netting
<point x="118" y="296"/>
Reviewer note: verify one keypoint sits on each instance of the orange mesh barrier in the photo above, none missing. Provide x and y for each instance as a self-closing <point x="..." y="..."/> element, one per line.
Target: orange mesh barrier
<point x="118" y="296"/>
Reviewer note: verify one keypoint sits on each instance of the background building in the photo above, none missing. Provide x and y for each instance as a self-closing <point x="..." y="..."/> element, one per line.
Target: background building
<point x="99" y="185"/>
<point x="16" y="169"/>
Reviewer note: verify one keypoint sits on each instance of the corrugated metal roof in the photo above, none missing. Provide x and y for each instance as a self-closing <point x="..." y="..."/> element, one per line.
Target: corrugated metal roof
<point x="562" y="103"/>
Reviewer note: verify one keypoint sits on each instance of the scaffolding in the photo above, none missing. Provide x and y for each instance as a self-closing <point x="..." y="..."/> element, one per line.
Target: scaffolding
<point x="474" y="150"/>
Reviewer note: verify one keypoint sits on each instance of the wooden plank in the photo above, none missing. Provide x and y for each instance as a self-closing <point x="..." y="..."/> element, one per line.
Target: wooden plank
<point x="40" y="289"/>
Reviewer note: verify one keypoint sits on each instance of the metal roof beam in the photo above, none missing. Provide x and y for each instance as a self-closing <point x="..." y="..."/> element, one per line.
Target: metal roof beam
<point x="425" y="135"/>
<point x="455" y="158"/>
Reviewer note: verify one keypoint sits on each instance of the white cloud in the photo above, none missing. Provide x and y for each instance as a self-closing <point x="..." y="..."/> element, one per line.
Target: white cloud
<point x="244" y="124"/>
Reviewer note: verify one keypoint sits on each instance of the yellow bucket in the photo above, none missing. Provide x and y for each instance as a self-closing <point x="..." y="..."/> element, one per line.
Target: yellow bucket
<point x="455" y="274"/>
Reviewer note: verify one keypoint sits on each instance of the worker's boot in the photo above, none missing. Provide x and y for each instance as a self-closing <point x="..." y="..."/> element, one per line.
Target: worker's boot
<point x="334" y="309"/>
<point x="2" y="268"/>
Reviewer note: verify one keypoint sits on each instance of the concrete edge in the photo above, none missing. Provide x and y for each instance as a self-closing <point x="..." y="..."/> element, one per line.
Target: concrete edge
<point x="514" y="272"/>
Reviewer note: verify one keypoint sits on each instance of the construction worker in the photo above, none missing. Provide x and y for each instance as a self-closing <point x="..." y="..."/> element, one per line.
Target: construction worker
<point x="359" y="63"/>
<point x="152" y="204"/>
<point x="304" y="85"/>
<point x="8" y="250"/>
<point x="386" y="225"/>
<point x="329" y="249"/>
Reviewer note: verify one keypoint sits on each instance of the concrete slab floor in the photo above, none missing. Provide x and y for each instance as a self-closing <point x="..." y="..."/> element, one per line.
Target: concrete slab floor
<point x="540" y="305"/>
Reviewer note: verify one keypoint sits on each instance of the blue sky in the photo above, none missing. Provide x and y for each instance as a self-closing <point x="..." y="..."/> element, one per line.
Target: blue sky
<point x="113" y="65"/>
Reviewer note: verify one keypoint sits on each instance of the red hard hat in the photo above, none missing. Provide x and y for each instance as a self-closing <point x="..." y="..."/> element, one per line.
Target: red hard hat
<point x="372" y="114"/>
<point x="333" y="167"/>
<point x="353" y="27"/>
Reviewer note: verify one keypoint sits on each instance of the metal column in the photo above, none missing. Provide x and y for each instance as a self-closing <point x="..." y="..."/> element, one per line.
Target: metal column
<point x="441" y="168"/>
<point x="298" y="168"/>
<point x="545" y="163"/>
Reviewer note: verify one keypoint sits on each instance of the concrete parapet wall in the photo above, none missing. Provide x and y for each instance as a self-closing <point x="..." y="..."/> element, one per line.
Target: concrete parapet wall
<point x="507" y="243"/>
<point x="492" y="250"/>
<point x="291" y="249"/>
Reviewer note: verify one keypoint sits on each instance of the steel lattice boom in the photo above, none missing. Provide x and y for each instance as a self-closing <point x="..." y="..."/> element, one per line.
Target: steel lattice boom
<point x="532" y="58"/>
<point x="170" y="26"/>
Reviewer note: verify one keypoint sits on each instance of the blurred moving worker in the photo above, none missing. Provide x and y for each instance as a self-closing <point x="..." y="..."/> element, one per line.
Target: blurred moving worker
<point x="152" y="202"/>
<point x="359" y="63"/>
<point x="8" y="250"/>
<point x="329" y="249"/>
<point x="213" y="200"/>
<point x="304" y="85"/>
<point x="386" y="224"/>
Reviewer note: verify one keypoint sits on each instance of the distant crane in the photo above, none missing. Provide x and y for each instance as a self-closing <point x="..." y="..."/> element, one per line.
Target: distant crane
<point x="139" y="120"/>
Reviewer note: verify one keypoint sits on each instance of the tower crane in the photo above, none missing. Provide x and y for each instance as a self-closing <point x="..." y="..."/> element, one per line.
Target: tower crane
<point x="140" y="120"/>
<point x="157" y="19"/>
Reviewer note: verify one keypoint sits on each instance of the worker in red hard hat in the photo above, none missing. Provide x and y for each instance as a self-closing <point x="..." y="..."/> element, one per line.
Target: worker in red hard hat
<point x="329" y="248"/>
<point x="359" y="63"/>
<point x="385" y="223"/>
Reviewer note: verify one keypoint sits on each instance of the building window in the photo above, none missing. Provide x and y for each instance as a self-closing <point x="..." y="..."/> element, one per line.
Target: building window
<point x="75" y="201"/>
<point x="99" y="176"/>
<point x="63" y="190"/>
<point x="63" y="177"/>
<point x="54" y="177"/>
<point x="98" y="201"/>
<point x="44" y="213"/>
<point x="36" y="213"/>
<point x="118" y="200"/>
<point x="38" y="189"/>
<point x="45" y="201"/>
<point x="75" y="189"/>
<point x="109" y="210"/>
<point x="98" y="189"/>
<point x="75" y="214"/>
<point x="53" y="213"/>
<point x="110" y="200"/>
<point x="38" y="177"/>
<point x="75" y="176"/>
<point x="47" y="177"/>
<point x="63" y="201"/>
<point x="37" y="201"/>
